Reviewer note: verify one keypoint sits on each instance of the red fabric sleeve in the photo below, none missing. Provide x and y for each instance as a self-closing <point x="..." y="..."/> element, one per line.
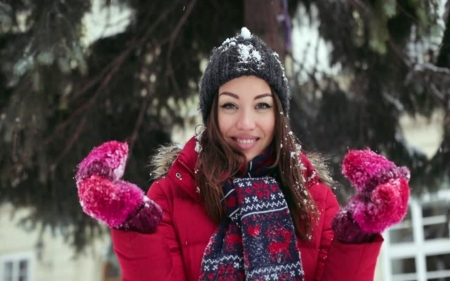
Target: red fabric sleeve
<point x="339" y="261"/>
<point x="328" y="211"/>
<point x="156" y="256"/>
<point x="352" y="262"/>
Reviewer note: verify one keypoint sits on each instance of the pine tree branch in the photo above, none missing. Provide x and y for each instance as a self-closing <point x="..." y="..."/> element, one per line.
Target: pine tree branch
<point x="173" y="37"/>
<point x="177" y="29"/>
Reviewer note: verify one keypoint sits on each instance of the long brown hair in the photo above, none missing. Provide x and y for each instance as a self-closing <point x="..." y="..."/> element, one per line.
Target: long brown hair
<point x="218" y="159"/>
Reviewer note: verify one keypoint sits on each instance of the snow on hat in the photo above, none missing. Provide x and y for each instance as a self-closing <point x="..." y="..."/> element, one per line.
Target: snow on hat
<point x="244" y="54"/>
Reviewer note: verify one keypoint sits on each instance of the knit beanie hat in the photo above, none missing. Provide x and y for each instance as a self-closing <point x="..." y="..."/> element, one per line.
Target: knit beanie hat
<point x="244" y="54"/>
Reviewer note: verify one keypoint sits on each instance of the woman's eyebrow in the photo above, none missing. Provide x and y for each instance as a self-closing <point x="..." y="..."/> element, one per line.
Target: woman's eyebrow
<point x="237" y="97"/>
<point x="263" y="95"/>
<point x="229" y="94"/>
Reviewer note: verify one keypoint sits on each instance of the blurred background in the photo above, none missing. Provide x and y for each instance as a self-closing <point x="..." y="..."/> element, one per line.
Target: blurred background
<point x="77" y="73"/>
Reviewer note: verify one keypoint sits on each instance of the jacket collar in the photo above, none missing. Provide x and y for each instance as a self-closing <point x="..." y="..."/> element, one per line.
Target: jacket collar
<point x="182" y="171"/>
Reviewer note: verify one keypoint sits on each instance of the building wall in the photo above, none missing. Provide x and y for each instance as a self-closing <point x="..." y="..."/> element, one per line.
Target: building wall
<point x="424" y="135"/>
<point x="56" y="261"/>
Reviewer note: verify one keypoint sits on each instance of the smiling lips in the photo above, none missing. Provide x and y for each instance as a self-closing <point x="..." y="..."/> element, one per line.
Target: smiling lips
<point x="245" y="143"/>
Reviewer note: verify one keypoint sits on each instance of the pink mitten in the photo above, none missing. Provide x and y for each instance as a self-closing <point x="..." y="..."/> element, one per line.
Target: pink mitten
<point x="381" y="199"/>
<point x="103" y="196"/>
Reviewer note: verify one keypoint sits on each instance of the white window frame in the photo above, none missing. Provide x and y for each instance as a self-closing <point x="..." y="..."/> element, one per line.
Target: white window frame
<point x="15" y="258"/>
<point x="419" y="248"/>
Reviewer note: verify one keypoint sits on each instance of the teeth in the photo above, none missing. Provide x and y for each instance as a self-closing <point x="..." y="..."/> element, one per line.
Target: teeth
<point x="245" y="141"/>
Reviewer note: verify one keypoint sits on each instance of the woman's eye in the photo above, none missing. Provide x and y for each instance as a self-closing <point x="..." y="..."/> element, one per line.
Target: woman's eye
<point x="263" y="105"/>
<point x="228" y="106"/>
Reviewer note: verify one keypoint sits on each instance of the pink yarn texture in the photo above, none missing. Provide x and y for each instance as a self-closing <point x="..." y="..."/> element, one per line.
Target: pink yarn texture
<point x="107" y="160"/>
<point x="381" y="199"/>
<point x="107" y="201"/>
<point x="105" y="197"/>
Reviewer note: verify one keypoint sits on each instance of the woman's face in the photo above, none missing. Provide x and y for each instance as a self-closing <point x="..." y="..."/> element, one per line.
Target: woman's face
<point x="246" y="114"/>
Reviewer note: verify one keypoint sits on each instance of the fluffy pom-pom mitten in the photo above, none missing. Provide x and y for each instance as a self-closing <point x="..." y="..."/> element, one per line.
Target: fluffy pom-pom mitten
<point x="107" y="198"/>
<point x="381" y="198"/>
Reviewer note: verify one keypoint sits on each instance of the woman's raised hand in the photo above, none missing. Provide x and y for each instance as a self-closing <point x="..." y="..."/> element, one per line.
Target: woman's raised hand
<point x="107" y="198"/>
<point x="381" y="198"/>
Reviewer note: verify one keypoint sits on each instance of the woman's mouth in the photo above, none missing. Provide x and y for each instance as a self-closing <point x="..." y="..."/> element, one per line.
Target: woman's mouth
<point x="245" y="143"/>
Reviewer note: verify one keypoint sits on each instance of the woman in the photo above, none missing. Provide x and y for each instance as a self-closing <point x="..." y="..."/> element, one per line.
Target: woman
<point x="240" y="201"/>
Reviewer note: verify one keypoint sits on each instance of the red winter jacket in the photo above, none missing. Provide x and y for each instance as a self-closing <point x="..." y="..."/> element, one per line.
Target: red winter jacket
<point x="175" y="251"/>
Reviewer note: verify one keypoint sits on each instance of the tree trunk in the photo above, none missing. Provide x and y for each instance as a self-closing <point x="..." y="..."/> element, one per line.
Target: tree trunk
<point x="443" y="59"/>
<point x="260" y="17"/>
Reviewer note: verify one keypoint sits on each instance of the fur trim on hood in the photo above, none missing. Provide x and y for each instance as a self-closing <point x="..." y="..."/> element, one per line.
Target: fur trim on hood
<point x="161" y="162"/>
<point x="320" y="164"/>
<point x="166" y="156"/>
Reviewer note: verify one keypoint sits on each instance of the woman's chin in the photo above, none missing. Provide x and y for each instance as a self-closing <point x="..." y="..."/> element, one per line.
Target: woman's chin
<point x="249" y="156"/>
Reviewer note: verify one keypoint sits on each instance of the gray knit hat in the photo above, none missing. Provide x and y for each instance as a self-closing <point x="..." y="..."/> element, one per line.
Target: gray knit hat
<point x="244" y="54"/>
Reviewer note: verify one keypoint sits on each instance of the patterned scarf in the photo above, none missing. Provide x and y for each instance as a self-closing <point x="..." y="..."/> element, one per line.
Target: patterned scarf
<point x="257" y="240"/>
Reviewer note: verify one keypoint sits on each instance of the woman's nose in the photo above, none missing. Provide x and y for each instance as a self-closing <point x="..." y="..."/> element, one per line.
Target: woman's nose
<point x="246" y="120"/>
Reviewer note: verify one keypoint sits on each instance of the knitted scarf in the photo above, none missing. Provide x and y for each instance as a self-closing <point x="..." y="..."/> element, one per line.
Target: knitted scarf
<point x="257" y="240"/>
